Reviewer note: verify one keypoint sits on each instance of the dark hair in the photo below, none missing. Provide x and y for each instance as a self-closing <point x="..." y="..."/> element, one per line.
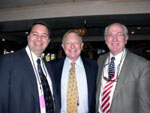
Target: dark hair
<point x="41" y="23"/>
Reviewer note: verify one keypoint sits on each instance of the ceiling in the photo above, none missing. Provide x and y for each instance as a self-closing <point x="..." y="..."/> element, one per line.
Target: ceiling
<point x="23" y="3"/>
<point x="15" y="30"/>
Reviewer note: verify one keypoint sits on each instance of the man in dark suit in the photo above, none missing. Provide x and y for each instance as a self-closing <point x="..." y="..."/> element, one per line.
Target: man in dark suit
<point x="21" y="89"/>
<point x="85" y="69"/>
<point x="122" y="87"/>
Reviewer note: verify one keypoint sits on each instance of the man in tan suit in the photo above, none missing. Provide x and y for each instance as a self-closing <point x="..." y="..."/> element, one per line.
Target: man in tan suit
<point x="126" y="89"/>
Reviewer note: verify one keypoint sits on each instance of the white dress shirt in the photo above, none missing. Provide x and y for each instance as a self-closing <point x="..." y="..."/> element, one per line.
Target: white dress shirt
<point x="119" y="59"/>
<point x="81" y="84"/>
<point x="33" y="58"/>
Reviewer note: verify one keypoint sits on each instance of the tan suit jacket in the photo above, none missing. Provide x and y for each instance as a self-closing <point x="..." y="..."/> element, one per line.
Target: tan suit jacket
<point x="132" y="92"/>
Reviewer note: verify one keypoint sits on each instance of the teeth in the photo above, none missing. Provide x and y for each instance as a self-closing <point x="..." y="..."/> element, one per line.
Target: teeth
<point x="38" y="43"/>
<point x="72" y="51"/>
<point x="114" y="44"/>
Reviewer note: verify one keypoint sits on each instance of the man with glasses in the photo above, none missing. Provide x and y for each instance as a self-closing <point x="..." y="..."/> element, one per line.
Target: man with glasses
<point x="123" y="77"/>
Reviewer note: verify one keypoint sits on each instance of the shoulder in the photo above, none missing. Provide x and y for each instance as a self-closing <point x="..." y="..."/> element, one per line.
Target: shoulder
<point x="10" y="60"/>
<point x="11" y="56"/>
<point x="137" y="59"/>
<point x="89" y="62"/>
<point x="56" y="62"/>
<point x="102" y="58"/>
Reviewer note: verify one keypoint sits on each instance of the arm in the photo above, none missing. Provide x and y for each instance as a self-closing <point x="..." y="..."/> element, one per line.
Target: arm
<point x="144" y="90"/>
<point x="4" y="84"/>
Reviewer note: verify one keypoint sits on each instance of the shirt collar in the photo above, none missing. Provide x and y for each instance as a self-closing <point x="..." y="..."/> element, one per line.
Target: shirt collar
<point x="31" y="54"/>
<point x="78" y="61"/>
<point x="119" y="56"/>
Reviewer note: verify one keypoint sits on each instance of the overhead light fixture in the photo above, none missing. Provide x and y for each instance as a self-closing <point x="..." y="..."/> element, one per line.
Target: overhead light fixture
<point x="148" y="51"/>
<point x="138" y="28"/>
<point x="3" y="39"/>
<point x="132" y="32"/>
<point x="26" y="33"/>
<point x="82" y="31"/>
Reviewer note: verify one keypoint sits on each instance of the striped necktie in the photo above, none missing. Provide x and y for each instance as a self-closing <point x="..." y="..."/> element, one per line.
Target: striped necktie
<point x="105" y="105"/>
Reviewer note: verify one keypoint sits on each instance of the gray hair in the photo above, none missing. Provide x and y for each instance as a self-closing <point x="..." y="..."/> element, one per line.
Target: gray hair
<point x="125" y="30"/>
<point x="71" y="31"/>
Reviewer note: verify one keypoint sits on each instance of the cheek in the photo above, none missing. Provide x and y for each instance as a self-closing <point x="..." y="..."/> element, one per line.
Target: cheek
<point x="46" y="41"/>
<point x="66" y="47"/>
<point x="107" y="42"/>
<point x="32" y="40"/>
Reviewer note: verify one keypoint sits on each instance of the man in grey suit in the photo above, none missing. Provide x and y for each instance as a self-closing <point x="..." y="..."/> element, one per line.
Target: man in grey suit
<point x="127" y="89"/>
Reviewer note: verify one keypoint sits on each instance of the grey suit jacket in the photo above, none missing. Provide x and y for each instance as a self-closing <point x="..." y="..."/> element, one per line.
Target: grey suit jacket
<point x="132" y="92"/>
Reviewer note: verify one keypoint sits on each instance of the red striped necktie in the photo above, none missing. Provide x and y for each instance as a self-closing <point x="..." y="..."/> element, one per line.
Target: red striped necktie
<point x="105" y="105"/>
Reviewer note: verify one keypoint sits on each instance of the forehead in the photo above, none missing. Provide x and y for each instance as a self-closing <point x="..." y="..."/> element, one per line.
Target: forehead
<point x="39" y="27"/>
<point x="72" y="37"/>
<point x="115" y="28"/>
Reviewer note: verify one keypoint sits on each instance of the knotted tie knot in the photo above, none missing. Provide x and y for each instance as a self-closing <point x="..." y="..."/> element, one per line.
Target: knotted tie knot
<point x="38" y="61"/>
<point x="72" y="64"/>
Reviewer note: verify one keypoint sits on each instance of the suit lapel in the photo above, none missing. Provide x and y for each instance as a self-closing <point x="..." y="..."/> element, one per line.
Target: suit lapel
<point x="123" y="74"/>
<point x="58" y="72"/>
<point x="88" y="76"/>
<point x="30" y="75"/>
<point x="99" y="79"/>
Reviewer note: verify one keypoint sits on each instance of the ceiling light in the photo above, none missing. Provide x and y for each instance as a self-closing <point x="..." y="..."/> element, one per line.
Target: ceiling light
<point x="81" y="31"/>
<point x="148" y="51"/>
<point x="26" y="33"/>
<point x="138" y="28"/>
<point x="3" y="39"/>
<point x="132" y="32"/>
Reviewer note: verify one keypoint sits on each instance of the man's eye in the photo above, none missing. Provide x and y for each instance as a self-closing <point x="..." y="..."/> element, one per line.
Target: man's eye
<point x="120" y="34"/>
<point x="34" y="34"/>
<point x="44" y="36"/>
<point x="109" y="35"/>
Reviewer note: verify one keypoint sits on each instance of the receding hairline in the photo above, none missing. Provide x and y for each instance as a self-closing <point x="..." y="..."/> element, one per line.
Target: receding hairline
<point x="124" y="28"/>
<point x="69" y="32"/>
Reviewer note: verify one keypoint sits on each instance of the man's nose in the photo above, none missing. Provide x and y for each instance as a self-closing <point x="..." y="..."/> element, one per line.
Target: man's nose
<point x="115" y="37"/>
<point x="72" y="45"/>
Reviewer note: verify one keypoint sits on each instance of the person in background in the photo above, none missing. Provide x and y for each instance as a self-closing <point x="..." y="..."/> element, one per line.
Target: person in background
<point x="123" y="77"/>
<point x="24" y="76"/>
<point x="83" y="77"/>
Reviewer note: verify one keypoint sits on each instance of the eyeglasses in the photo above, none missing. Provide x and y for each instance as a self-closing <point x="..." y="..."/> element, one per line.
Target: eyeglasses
<point x="109" y="78"/>
<point x="119" y="35"/>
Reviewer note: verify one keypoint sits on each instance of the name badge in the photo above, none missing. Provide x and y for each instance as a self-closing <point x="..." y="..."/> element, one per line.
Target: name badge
<point x="42" y="101"/>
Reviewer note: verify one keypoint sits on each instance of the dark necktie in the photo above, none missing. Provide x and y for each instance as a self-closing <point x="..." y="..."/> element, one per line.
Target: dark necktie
<point x="111" y="71"/>
<point x="47" y="93"/>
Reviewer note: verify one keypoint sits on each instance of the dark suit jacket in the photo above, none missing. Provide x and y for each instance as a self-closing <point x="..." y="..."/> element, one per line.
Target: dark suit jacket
<point x="18" y="86"/>
<point x="132" y="92"/>
<point x="91" y="73"/>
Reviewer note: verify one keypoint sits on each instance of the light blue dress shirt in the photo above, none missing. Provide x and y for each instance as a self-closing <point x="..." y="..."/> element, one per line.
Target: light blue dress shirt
<point x="81" y="83"/>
